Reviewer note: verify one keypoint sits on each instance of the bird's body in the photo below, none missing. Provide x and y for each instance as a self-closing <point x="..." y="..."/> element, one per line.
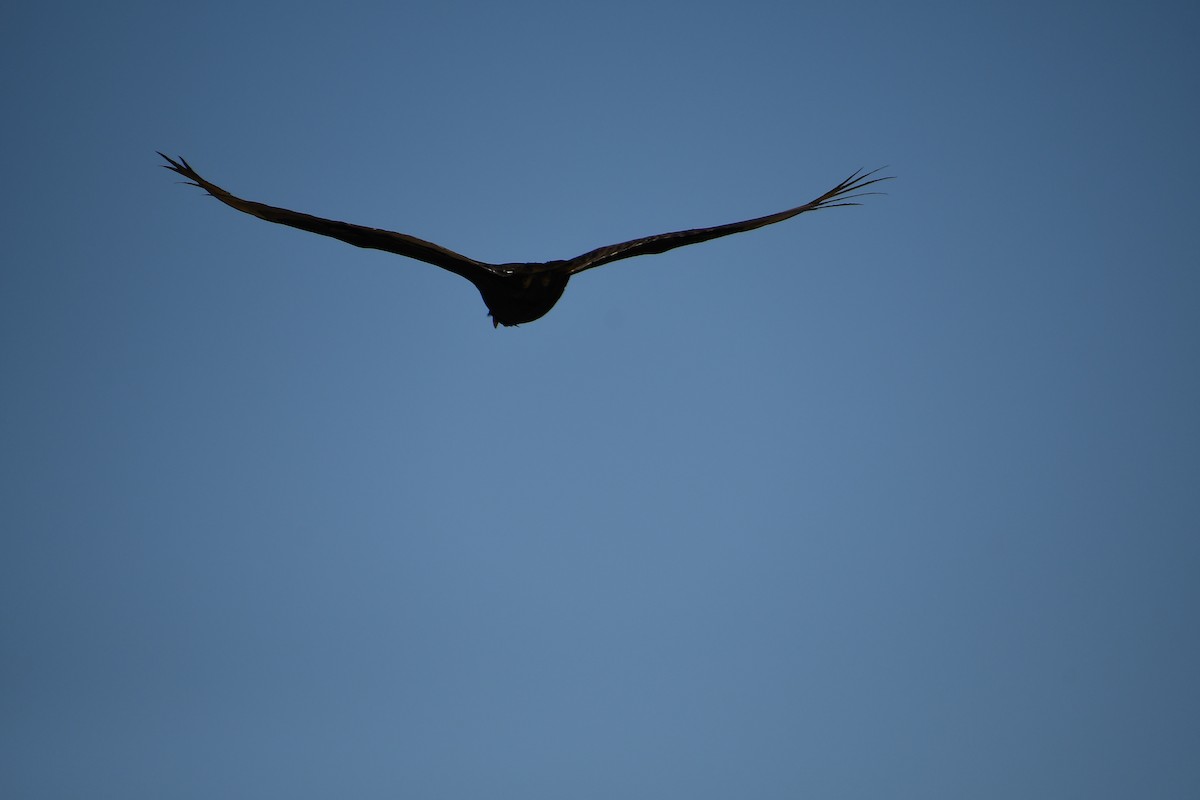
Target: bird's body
<point x="521" y="297"/>
<point x="518" y="292"/>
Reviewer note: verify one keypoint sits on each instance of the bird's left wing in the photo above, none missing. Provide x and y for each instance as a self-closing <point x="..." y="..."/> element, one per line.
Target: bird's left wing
<point x="840" y="195"/>
<point x="357" y="235"/>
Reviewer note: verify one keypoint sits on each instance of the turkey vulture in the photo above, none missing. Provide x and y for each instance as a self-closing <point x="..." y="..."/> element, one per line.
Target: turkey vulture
<point x="520" y="292"/>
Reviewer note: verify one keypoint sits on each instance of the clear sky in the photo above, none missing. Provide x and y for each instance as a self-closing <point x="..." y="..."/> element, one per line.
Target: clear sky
<point x="897" y="501"/>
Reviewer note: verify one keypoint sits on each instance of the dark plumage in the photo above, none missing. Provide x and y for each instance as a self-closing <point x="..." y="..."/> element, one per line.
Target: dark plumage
<point x="520" y="292"/>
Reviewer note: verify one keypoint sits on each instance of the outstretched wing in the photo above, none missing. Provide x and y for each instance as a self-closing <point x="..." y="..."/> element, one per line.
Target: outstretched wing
<point x="840" y="195"/>
<point x="357" y="235"/>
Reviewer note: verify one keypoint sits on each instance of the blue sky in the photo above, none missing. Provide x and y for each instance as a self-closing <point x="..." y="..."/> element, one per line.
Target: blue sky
<point x="893" y="501"/>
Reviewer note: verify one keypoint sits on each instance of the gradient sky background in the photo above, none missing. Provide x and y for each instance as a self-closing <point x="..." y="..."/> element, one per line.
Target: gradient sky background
<point x="894" y="501"/>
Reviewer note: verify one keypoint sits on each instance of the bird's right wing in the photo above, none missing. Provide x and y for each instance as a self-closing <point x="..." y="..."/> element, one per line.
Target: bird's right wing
<point x="357" y="235"/>
<point x="841" y="195"/>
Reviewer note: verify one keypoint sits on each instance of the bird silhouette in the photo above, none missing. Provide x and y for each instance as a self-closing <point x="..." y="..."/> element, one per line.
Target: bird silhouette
<point x="518" y="292"/>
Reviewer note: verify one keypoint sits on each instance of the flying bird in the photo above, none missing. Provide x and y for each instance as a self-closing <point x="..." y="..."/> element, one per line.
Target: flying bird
<point x="518" y="292"/>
